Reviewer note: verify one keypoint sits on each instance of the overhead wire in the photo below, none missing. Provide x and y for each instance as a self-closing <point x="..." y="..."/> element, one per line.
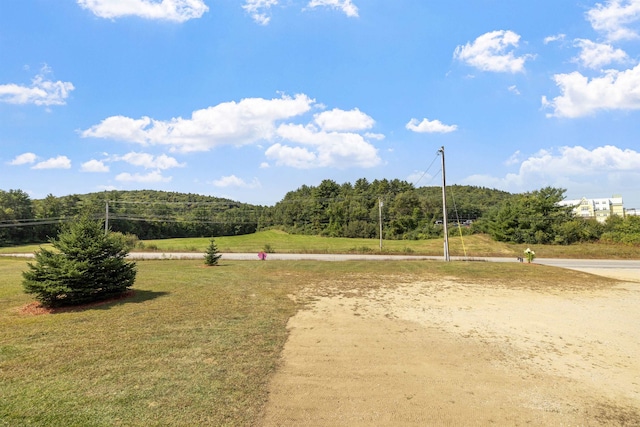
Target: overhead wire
<point x="426" y="171"/>
<point x="455" y="208"/>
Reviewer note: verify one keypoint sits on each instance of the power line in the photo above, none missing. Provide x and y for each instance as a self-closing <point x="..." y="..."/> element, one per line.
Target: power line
<point x="426" y="171"/>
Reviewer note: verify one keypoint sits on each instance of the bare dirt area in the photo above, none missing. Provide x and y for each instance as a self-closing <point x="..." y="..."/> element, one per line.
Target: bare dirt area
<point x="449" y="353"/>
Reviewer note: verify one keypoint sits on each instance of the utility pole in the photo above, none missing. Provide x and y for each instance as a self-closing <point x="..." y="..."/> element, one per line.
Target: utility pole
<point x="106" y="219"/>
<point x="380" y="204"/>
<point x="444" y="209"/>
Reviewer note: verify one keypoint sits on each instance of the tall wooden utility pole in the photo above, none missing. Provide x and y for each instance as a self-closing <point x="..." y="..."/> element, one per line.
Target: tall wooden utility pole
<point x="380" y="204"/>
<point x="444" y="209"/>
<point x="106" y="219"/>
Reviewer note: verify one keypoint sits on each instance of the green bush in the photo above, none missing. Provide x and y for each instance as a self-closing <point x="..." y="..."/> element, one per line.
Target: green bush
<point x="621" y="237"/>
<point x="268" y="249"/>
<point x="361" y="250"/>
<point x="212" y="256"/>
<point x="87" y="265"/>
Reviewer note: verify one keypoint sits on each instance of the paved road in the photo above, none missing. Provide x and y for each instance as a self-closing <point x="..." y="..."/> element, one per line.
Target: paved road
<point x="621" y="269"/>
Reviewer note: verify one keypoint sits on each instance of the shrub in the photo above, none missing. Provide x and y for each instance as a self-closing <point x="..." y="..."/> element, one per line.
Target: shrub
<point x="87" y="265"/>
<point x="529" y="255"/>
<point x="361" y="249"/>
<point x="212" y="256"/>
<point x="268" y="249"/>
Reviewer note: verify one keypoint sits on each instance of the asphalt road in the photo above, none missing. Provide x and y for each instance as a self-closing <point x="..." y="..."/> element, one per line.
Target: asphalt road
<point x="556" y="262"/>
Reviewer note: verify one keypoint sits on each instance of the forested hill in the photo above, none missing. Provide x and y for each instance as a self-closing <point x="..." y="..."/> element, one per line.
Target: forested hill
<point x="353" y="210"/>
<point x="146" y="213"/>
<point x="144" y="196"/>
<point x="331" y="209"/>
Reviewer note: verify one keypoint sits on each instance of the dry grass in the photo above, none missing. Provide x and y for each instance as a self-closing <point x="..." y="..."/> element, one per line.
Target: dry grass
<point x="193" y="345"/>
<point x="470" y="246"/>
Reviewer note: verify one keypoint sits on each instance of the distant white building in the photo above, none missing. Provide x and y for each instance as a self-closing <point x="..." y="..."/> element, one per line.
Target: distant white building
<point x="600" y="209"/>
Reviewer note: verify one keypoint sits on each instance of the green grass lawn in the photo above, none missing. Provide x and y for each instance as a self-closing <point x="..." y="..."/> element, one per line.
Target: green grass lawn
<point x="470" y="246"/>
<point x="193" y="345"/>
<point x="281" y="242"/>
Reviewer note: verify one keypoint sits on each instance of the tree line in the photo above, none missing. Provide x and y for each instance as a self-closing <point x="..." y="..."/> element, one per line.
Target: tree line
<point x="146" y="214"/>
<point x="329" y="209"/>
<point x="356" y="210"/>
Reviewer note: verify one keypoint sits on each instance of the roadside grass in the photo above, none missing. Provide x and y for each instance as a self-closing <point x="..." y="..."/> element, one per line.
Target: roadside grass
<point x="470" y="246"/>
<point x="193" y="345"/>
<point x="479" y="245"/>
<point x="23" y="249"/>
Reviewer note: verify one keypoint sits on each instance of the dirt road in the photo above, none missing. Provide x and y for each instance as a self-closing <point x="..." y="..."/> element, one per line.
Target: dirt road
<point x="445" y="353"/>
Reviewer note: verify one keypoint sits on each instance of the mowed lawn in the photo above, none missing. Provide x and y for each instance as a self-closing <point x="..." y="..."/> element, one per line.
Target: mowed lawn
<point x="193" y="345"/>
<point x="478" y="245"/>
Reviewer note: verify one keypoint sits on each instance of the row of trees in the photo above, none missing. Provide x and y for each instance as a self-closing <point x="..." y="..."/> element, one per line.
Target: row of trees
<point x="355" y="210"/>
<point x="536" y="218"/>
<point x="146" y="214"/>
<point x="329" y="209"/>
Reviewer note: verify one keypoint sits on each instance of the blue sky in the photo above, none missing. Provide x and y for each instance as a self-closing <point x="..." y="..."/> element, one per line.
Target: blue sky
<point x="250" y="99"/>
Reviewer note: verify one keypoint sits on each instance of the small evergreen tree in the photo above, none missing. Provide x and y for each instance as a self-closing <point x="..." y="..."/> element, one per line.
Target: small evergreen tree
<point x="86" y="266"/>
<point x="212" y="255"/>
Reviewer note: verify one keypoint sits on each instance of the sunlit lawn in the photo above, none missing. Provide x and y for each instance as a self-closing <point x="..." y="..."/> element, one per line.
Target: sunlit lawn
<point x="194" y="345"/>
<point x="281" y="242"/>
<point x="469" y="246"/>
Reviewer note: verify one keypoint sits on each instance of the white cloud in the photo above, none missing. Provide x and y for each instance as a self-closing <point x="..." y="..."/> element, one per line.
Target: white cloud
<point x="234" y="181"/>
<point x="376" y="136"/>
<point x="41" y="92"/>
<point x="331" y="140"/>
<point x="614" y="18"/>
<point x="555" y="38"/>
<point x="230" y="123"/>
<point x="60" y="162"/>
<point x="615" y="90"/>
<point x="94" y="166"/>
<point x="514" y="89"/>
<point x="430" y="126"/>
<point x="340" y="120"/>
<point x="514" y="159"/>
<point x="322" y="149"/>
<point x="489" y="52"/>
<point x="258" y="10"/>
<point x="148" y="161"/>
<point x="24" y="159"/>
<point x="168" y="10"/>
<point x="120" y="128"/>
<point x="577" y="166"/>
<point x="151" y="177"/>
<point x="596" y="55"/>
<point x="295" y="157"/>
<point x="578" y="160"/>
<point x="345" y="6"/>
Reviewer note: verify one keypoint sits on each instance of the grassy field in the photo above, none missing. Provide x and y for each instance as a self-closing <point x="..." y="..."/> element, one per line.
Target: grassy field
<point x="470" y="246"/>
<point x="193" y="345"/>
<point x="281" y="242"/>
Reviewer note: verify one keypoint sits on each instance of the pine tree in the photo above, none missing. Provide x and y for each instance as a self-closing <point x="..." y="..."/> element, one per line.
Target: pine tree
<point x="212" y="255"/>
<point x="87" y="265"/>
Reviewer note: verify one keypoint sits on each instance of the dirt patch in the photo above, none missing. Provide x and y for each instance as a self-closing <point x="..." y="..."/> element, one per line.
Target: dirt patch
<point x="445" y="353"/>
<point x="36" y="309"/>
